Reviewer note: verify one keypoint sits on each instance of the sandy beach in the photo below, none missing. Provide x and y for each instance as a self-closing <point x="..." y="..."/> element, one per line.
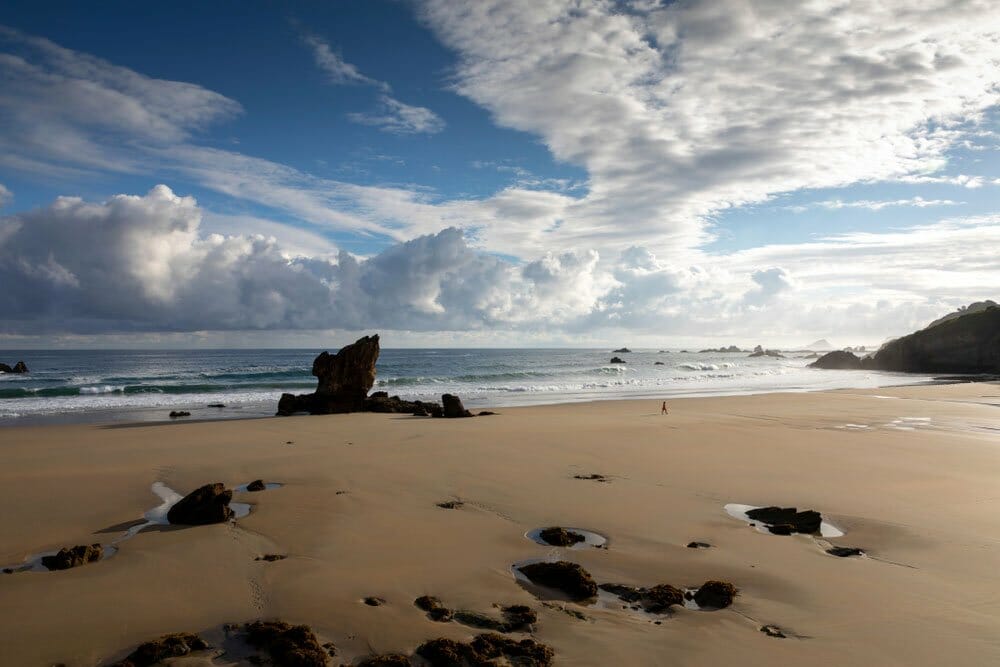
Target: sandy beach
<point x="909" y="474"/>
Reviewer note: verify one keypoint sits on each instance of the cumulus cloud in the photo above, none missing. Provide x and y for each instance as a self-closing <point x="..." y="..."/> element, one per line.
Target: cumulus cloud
<point x="398" y="118"/>
<point x="5" y="195"/>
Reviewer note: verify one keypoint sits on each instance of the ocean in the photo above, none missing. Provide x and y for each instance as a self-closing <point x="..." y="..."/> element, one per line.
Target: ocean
<point x="72" y="386"/>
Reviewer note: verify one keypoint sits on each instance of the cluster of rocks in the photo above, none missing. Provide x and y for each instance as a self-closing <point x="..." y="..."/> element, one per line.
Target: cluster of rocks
<point x="175" y="645"/>
<point x="761" y="352"/>
<point x="73" y="557"/>
<point x="344" y="380"/>
<point x="483" y="650"/>
<point x="286" y="644"/>
<point x="516" y="618"/>
<point x="723" y="350"/>
<point x="19" y="367"/>
<point x="966" y="342"/>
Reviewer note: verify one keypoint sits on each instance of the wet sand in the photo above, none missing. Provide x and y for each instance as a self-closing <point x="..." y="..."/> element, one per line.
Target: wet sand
<point x="911" y="475"/>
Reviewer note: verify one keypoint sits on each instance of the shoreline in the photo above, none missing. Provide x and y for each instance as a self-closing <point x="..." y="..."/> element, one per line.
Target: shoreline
<point x="358" y="516"/>
<point x="259" y="410"/>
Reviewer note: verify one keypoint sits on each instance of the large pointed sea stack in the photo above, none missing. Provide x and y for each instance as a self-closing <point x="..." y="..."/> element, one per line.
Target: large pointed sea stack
<point x="344" y="381"/>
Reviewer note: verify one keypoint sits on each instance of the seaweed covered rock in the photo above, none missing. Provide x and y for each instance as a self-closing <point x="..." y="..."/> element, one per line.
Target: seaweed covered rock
<point x="73" y="557"/>
<point x="256" y="485"/>
<point x="787" y="520"/>
<point x="485" y="649"/>
<point x="655" y="600"/>
<point x="560" y="537"/>
<point x="168" y="646"/>
<point x="288" y="645"/>
<point x="515" y="618"/>
<point x="435" y="610"/>
<point x="563" y="576"/>
<point x="715" y="594"/>
<point x="206" y="504"/>
<point x="386" y="660"/>
<point x="451" y="407"/>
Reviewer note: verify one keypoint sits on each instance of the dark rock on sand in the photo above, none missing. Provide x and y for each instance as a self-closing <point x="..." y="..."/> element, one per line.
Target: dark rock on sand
<point x="698" y="545"/>
<point x="435" y="610"/>
<point x="593" y="477"/>
<point x="655" y="600"/>
<point x="485" y="649"/>
<point x="772" y="631"/>
<point x="179" y="413"/>
<point x="73" y="557"/>
<point x="563" y="576"/>
<point x="19" y="367"/>
<point x="168" y="646"/>
<point x="374" y="601"/>
<point x="270" y="558"/>
<point x="256" y="485"/>
<point x="787" y="520"/>
<point x="485" y="413"/>
<point x="516" y="618"/>
<point x="617" y="360"/>
<point x="845" y="552"/>
<point x="560" y="537"/>
<point x="344" y="380"/>
<point x="451" y="504"/>
<point x="204" y="505"/>
<point x="715" y="594"/>
<point x="838" y="360"/>
<point x="288" y="645"/>
<point x="380" y="401"/>
<point x="452" y="407"/>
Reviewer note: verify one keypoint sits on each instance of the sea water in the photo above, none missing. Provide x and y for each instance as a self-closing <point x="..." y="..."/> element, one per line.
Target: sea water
<point x="110" y="386"/>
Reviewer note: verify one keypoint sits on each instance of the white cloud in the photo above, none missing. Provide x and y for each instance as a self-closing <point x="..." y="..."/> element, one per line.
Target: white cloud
<point x="338" y="71"/>
<point x="5" y="195"/>
<point x="874" y="205"/>
<point x="398" y="118"/>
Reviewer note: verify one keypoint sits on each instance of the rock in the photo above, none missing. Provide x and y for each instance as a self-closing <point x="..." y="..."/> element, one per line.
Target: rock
<point x="444" y="652"/>
<point x="845" y="552"/>
<point x="344" y="380"/>
<point x="560" y="537"/>
<point x="374" y="601"/>
<point x="270" y="558"/>
<point x="179" y="413"/>
<point x="205" y="505"/>
<point x="525" y="653"/>
<point x="485" y="413"/>
<point x="787" y="518"/>
<point x="621" y="350"/>
<point x="216" y="405"/>
<point x="73" y="557"/>
<point x="515" y="618"/>
<point x="379" y="401"/>
<point x="289" y="645"/>
<point x="452" y="407"/>
<point x="168" y="646"/>
<point x="715" y="594"/>
<point x="617" y="360"/>
<point x="967" y="342"/>
<point x="451" y="504"/>
<point x="594" y="477"/>
<point x="435" y="610"/>
<point x="19" y="367"/>
<point x="838" y="359"/>
<point x="256" y="485"/>
<point x="730" y="349"/>
<point x="698" y="545"/>
<point x="761" y="352"/>
<point x="564" y="576"/>
<point x="655" y="600"/>
<point x="772" y="631"/>
<point x="658" y="363"/>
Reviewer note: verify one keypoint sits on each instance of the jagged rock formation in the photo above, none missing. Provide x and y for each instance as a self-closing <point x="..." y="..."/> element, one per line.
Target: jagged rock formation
<point x="731" y="348"/>
<point x="73" y="557"/>
<point x="206" y="504"/>
<point x="19" y="367"/>
<point x="617" y="360"/>
<point x="761" y="352"/>
<point x="344" y="381"/>
<point x="621" y="350"/>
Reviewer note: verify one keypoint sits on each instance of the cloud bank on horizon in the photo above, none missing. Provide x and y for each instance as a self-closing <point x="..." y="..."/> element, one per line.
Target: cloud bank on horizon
<point x="692" y="120"/>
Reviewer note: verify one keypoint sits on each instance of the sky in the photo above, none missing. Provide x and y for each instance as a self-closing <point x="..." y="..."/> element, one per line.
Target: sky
<point x="495" y="172"/>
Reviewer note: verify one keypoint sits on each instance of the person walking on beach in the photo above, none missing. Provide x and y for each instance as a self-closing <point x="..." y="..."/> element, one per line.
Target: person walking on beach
<point x="663" y="409"/>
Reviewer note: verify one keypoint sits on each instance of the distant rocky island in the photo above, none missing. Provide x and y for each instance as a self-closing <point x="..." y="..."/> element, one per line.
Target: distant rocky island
<point x="966" y="341"/>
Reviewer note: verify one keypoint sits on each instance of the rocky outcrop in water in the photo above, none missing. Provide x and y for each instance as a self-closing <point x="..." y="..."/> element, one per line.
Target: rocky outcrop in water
<point x="19" y="367"/>
<point x="344" y="380"/>
<point x="205" y="505"/>
<point x="723" y="350"/>
<point x="617" y="360"/>
<point x="761" y="352"/>
<point x="838" y="360"/>
<point x="621" y="350"/>
<point x="73" y="557"/>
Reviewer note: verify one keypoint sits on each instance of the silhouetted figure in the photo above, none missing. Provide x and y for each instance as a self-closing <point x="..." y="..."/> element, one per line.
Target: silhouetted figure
<point x="664" y="410"/>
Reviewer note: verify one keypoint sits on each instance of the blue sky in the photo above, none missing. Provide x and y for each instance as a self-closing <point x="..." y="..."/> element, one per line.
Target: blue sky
<point x="508" y="172"/>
